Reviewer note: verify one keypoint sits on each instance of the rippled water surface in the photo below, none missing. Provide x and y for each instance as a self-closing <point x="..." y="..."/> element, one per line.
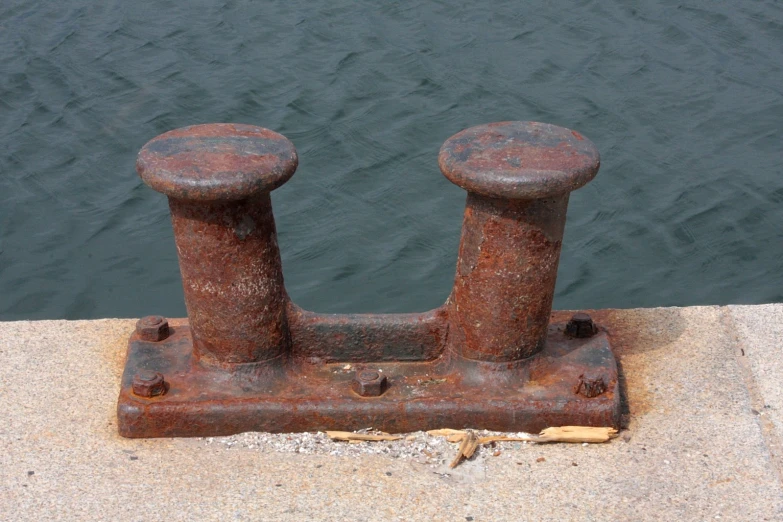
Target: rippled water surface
<point x="683" y="99"/>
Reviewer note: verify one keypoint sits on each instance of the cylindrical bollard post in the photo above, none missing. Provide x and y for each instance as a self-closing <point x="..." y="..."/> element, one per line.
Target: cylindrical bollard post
<point x="518" y="176"/>
<point x="218" y="178"/>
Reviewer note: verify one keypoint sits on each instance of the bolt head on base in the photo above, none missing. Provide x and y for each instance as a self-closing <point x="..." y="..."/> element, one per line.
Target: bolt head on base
<point x="581" y="326"/>
<point x="369" y="383"/>
<point x="590" y="385"/>
<point x="149" y="384"/>
<point x="152" y="328"/>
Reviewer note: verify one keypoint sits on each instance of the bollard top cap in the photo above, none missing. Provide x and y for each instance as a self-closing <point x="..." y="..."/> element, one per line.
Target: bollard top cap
<point x="519" y="160"/>
<point x="217" y="162"/>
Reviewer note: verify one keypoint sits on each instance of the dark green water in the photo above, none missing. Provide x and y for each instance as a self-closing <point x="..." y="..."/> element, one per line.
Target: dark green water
<point x="684" y="100"/>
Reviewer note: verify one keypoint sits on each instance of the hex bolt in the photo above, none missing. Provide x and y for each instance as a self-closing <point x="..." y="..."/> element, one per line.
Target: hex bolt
<point x="590" y="385"/>
<point x="581" y="326"/>
<point x="218" y="178"/>
<point x="518" y="176"/>
<point x="369" y="383"/>
<point x="152" y="328"/>
<point x="149" y="384"/>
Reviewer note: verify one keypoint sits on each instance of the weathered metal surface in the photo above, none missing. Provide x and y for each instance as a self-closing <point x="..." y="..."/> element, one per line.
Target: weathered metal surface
<point x="233" y="279"/>
<point x="591" y="385"/>
<point x="325" y="338"/>
<point x="518" y="176"/>
<point x="250" y="359"/>
<point x="519" y="160"/>
<point x="148" y="384"/>
<point x="217" y="162"/>
<point x="370" y="383"/>
<point x="218" y="178"/>
<point x="152" y="328"/>
<point x="506" y="271"/>
<point x="581" y="325"/>
<point x="451" y="391"/>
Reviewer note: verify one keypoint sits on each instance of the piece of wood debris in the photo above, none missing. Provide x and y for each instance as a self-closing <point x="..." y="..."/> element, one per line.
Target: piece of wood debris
<point x="576" y="434"/>
<point x="466" y="448"/>
<point x="560" y="434"/>
<point x="469" y="441"/>
<point x="445" y="432"/>
<point x="359" y="437"/>
<point x="505" y="438"/>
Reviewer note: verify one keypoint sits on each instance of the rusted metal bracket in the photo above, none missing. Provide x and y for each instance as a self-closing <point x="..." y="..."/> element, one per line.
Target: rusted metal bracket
<point x="249" y="359"/>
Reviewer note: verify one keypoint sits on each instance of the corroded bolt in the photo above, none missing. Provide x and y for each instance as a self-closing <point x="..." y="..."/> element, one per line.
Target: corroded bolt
<point x="369" y="383"/>
<point x="581" y="326"/>
<point x="152" y="328"/>
<point x="590" y="386"/>
<point x="149" y="384"/>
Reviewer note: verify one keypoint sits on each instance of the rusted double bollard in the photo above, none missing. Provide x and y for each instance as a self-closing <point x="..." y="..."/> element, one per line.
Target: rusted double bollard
<point x="250" y="359"/>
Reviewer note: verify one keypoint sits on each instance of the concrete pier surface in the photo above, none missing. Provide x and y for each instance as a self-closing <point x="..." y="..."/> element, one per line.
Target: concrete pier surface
<point x="703" y="441"/>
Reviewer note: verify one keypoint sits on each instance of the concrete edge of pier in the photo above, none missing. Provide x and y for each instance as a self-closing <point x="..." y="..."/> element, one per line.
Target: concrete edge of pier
<point x="703" y="441"/>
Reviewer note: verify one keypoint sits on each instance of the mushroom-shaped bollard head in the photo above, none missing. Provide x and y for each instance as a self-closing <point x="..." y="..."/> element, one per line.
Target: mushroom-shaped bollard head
<point x="518" y="176"/>
<point x="519" y="160"/>
<point x="218" y="178"/>
<point x="217" y="162"/>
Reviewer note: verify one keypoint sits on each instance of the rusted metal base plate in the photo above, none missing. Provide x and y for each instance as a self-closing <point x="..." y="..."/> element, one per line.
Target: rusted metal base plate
<point x="292" y="396"/>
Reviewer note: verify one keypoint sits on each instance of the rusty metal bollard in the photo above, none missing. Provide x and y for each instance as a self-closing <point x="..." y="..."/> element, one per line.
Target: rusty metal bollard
<point x="249" y="359"/>
<point x="518" y="176"/>
<point x="218" y="179"/>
